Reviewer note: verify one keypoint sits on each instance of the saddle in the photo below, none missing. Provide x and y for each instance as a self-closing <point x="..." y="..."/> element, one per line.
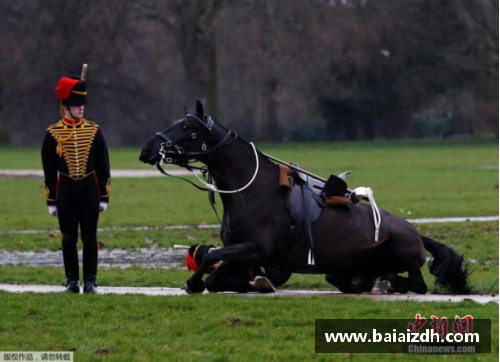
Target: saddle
<point x="307" y="196"/>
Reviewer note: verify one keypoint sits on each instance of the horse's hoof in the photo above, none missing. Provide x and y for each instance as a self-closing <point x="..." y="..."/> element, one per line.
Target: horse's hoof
<point x="381" y="287"/>
<point x="194" y="287"/>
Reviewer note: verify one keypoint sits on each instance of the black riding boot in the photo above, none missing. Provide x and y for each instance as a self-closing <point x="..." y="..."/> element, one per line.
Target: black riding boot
<point x="90" y="267"/>
<point x="71" y="268"/>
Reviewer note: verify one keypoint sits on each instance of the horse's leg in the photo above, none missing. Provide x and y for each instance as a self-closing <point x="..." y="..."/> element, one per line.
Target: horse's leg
<point x="408" y="254"/>
<point x="242" y="252"/>
<point x="414" y="282"/>
<point x="347" y="283"/>
<point x="361" y="284"/>
<point x="341" y="281"/>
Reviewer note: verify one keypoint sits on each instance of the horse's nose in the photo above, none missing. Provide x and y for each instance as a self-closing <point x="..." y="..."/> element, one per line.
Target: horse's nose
<point x="143" y="155"/>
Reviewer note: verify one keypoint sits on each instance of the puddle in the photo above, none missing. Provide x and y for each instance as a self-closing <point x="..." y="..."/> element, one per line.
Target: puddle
<point x="116" y="258"/>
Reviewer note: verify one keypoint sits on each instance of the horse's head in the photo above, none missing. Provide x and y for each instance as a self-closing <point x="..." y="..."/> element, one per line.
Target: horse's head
<point x="185" y="140"/>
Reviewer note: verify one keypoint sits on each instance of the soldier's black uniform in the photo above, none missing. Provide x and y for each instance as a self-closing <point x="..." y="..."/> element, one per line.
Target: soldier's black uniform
<point x="77" y="178"/>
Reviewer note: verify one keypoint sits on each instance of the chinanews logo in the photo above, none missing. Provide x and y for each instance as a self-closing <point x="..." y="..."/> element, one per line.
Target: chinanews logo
<point x="440" y="326"/>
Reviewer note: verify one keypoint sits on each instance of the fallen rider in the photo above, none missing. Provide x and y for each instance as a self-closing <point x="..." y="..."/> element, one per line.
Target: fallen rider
<point x="234" y="277"/>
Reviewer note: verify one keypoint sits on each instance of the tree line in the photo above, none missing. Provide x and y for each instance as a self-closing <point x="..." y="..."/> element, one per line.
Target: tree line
<point x="270" y="70"/>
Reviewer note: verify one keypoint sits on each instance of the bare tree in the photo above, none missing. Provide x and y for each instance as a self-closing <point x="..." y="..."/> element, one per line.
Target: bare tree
<point x="191" y="24"/>
<point x="272" y="70"/>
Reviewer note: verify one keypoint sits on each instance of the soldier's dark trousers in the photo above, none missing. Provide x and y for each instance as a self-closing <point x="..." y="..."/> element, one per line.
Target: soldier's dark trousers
<point x="229" y="277"/>
<point x="78" y="207"/>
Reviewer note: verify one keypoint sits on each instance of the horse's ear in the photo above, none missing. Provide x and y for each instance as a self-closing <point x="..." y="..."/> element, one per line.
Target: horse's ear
<point x="199" y="109"/>
<point x="185" y="110"/>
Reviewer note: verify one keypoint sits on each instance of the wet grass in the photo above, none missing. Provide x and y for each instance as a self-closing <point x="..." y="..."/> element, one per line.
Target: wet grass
<point x="477" y="241"/>
<point x="113" y="239"/>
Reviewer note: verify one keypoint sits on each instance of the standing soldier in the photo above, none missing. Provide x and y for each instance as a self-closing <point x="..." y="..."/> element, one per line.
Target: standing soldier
<point x="77" y="180"/>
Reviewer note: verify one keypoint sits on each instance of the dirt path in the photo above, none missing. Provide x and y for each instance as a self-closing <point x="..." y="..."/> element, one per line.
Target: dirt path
<point x="114" y="173"/>
<point x="117" y="258"/>
<point x="481" y="299"/>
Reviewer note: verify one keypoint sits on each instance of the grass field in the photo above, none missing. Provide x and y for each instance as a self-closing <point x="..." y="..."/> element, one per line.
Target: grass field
<point x="203" y="327"/>
<point x="410" y="179"/>
<point x="428" y="179"/>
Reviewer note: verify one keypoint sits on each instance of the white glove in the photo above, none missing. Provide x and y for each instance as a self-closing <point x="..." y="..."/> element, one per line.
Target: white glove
<point x="53" y="210"/>
<point x="103" y="206"/>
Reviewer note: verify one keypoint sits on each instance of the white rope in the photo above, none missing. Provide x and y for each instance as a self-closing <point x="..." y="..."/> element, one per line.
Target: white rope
<point x="376" y="213"/>
<point x="212" y="187"/>
<point x="368" y="192"/>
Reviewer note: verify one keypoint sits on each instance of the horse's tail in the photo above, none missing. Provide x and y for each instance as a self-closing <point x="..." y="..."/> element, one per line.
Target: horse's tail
<point x="447" y="266"/>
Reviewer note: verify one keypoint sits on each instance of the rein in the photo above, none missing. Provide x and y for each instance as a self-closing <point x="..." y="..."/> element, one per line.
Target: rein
<point x="158" y="166"/>
<point x="213" y="188"/>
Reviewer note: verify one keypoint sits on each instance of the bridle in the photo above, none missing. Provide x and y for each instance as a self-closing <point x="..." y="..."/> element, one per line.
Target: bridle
<point x="170" y="147"/>
<point x="165" y="147"/>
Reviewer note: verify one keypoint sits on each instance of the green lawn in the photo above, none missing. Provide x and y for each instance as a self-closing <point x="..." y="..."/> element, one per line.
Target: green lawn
<point x="204" y="327"/>
<point x="429" y="179"/>
<point x="410" y="179"/>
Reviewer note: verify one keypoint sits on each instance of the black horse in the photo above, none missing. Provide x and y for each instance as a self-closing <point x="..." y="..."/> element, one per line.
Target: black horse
<point x="257" y="228"/>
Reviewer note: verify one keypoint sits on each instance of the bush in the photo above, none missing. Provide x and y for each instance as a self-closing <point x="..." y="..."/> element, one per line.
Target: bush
<point x="430" y="125"/>
<point x="315" y="131"/>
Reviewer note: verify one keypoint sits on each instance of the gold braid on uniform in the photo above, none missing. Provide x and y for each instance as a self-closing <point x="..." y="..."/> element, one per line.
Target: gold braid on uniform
<point x="60" y="140"/>
<point x="108" y="187"/>
<point x="74" y="142"/>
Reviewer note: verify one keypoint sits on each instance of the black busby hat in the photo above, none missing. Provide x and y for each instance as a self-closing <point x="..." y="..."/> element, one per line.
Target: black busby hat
<point x="195" y="255"/>
<point x="72" y="91"/>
